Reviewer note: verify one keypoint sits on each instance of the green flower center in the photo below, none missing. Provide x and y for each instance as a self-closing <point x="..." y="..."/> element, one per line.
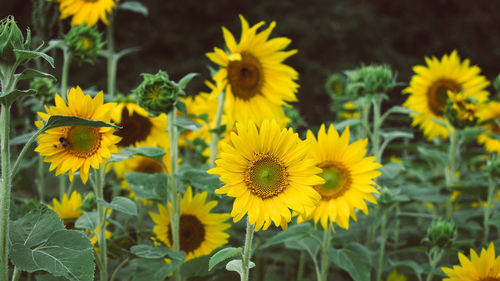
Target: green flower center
<point x="437" y="94"/>
<point x="191" y="233"/>
<point x="81" y="141"/>
<point x="266" y="176"/>
<point x="86" y="42"/>
<point x="246" y="76"/>
<point x="135" y="128"/>
<point x="337" y="180"/>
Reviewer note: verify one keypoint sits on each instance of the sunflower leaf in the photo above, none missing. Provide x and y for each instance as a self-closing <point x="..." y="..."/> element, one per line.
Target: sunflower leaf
<point x="200" y="179"/>
<point x="155" y="153"/>
<point x="186" y="79"/>
<point x="87" y="220"/>
<point x="134" y="6"/>
<point x="156" y="269"/>
<point x="24" y="55"/>
<point x="236" y="265"/>
<point x="153" y="252"/>
<point x="28" y="73"/>
<point x="222" y="255"/>
<point x="147" y="186"/>
<point x="353" y="258"/>
<point x="294" y="232"/>
<point x="56" y="121"/>
<point x="121" y="204"/>
<point x="187" y="124"/>
<point x="10" y="97"/>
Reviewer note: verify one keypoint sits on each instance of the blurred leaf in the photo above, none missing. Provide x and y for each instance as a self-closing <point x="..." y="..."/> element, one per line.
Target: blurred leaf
<point x="29" y="73"/>
<point x="391" y="170"/>
<point x="188" y="124"/>
<point x="153" y="252"/>
<point x="147" y="186"/>
<point x="222" y="255"/>
<point x="396" y="134"/>
<point x="354" y="258"/>
<point x="134" y="6"/>
<point x="155" y="269"/>
<point x="342" y="124"/>
<point x="21" y="139"/>
<point x="12" y="96"/>
<point x="195" y="267"/>
<point x="200" y="179"/>
<point x="121" y="204"/>
<point x="155" y="153"/>
<point x="186" y="79"/>
<point x="56" y="121"/>
<point x="125" y="52"/>
<point x="417" y="269"/>
<point x="87" y="220"/>
<point x="23" y="55"/>
<point x="236" y="265"/>
<point x="310" y="245"/>
<point x="433" y="155"/>
<point x="294" y="232"/>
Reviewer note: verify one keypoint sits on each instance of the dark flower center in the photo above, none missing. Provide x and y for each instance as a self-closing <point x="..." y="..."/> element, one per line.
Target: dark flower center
<point x="135" y="128"/>
<point x="437" y="94"/>
<point x="246" y="76"/>
<point x="191" y="233"/>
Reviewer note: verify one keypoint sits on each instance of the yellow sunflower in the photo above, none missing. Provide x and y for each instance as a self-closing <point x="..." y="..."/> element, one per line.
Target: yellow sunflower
<point x="68" y="209"/>
<point x="348" y="174"/>
<point x="138" y="129"/>
<point x="256" y="81"/>
<point x="201" y="109"/>
<point x="429" y="90"/>
<point x="74" y="148"/>
<point x="490" y="114"/>
<point x="268" y="173"/>
<point x="394" y="276"/>
<point x="485" y="267"/>
<point x="86" y="11"/>
<point x="200" y="231"/>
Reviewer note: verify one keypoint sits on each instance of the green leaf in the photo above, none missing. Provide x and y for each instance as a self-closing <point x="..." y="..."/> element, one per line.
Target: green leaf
<point x="236" y="265"/>
<point x="12" y="96"/>
<point x="186" y="79"/>
<point x="433" y="155"/>
<point x="121" y="204"/>
<point x="342" y="124"/>
<point x="125" y="52"/>
<point x="155" y="153"/>
<point x="310" y="245"/>
<point x="29" y="73"/>
<point x="294" y="232"/>
<point x="152" y="252"/>
<point x="200" y="179"/>
<point x="396" y="134"/>
<point x="35" y="227"/>
<point x="222" y="255"/>
<point x="195" y="267"/>
<point x="155" y="269"/>
<point x="21" y="139"/>
<point x="391" y="170"/>
<point x="134" y="6"/>
<point x="118" y="158"/>
<point x="417" y="269"/>
<point x="402" y="110"/>
<point x="48" y="277"/>
<point x="354" y="258"/>
<point x="23" y="55"/>
<point x="56" y="121"/>
<point x="147" y="186"/>
<point x="66" y="253"/>
<point x="87" y="220"/>
<point x="188" y="124"/>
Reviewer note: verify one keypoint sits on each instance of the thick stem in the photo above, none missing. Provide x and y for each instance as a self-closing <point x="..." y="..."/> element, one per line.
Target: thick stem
<point x="214" y="136"/>
<point x="16" y="274"/>
<point x="383" y="239"/>
<point x="101" y="221"/>
<point x="377" y="103"/>
<point x="365" y="111"/>
<point x="324" y="257"/>
<point x="65" y="73"/>
<point x="302" y="262"/>
<point x="111" y="57"/>
<point x="434" y="260"/>
<point x="451" y="167"/>
<point x="488" y="208"/>
<point x="4" y="192"/>
<point x="247" y="251"/>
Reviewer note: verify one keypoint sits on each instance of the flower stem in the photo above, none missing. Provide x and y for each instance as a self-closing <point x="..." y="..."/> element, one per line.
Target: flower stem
<point x="451" y="167"/>
<point x="324" y="257"/>
<point x="101" y="221"/>
<point x="488" y="208"/>
<point x="377" y="103"/>
<point x="433" y="261"/>
<point x="365" y="111"/>
<point x="214" y="136"/>
<point x="247" y="251"/>
<point x="4" y="192"/>
<point x="302" y="261"/>
<point x="65" y="73"/>
<point x="383" y="239"/>
<point x="16" y="274"/>
<point x="172" y="184"/>
<point x="111" y="57"/>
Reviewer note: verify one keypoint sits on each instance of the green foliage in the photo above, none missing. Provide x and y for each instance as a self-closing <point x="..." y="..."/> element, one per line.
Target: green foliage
<point x="84" y="43"/>
<point x="222" y="255"/>
<point x="147" y="186"/>
<point x="133" y="6"/>
<point x="121" y="204"/>
<point x="154" y="252"/>
<point x="147" y="269"/>
<point x="353" y="258"/>
<point x="155" y="153"/>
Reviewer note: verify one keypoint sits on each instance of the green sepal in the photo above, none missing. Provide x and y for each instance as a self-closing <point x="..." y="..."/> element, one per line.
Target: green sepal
<point x="222" y="255"/>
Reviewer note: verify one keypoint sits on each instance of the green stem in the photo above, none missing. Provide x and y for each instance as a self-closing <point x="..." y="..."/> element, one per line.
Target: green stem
<point x="172" y="184"/>
<point x="365" y="111"/>
<point x="101" y="221"/>
<point x="23" y="152"/>
<point x="434" y="260"/>
<point x="377" y="103"/>
<point x="302" y="262"/>
<point x="324" y="257"/>
<point x="214" y="136"/>
<point x="451" y="167"/>
<point x="383" y="239"/>
<point x="487" y="209"/>
<point x="16" y="274"/>
<point x="5" y="192"/>
<point x="247" y="251"/>
<point x="111" y="57"/>
<point x="122" y="264"/>
<point x="65" y="73"/>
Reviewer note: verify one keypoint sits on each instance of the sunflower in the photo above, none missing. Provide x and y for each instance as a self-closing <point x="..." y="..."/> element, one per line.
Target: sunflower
<point x="86" y="11"/>
<point x="394" y="276"/>
<point x="201" y="109"/>
<point x="138" y="129"/>
<point x="68" y="209"/>
<point x="73" y="148"/>
<point x="485" y="267"/>
<point x="348" y="174"/>
<point x="429" y="90"/>
<point x="256" y="81"/>
<point x="490" y="115"/>
<point x="200" y="231"/>
<point x="267" y="171"/>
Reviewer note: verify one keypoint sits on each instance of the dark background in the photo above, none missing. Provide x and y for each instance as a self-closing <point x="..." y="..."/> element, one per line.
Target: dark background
<point x="330" y="36"/>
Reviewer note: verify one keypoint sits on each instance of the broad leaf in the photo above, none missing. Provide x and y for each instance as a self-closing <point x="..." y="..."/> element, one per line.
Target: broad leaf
<point x="121" y="204"/>
<point x="156" y="269"/>
<point x="87" y="220"/>
<point x="29" y="73"/>
<point x="56" y="121"/>
<point x="12" y="96"/>
<point x="236" y="265"/>
<point x="391" y="170"/>
<point x="294" y="232"/>
<point x="148" y="186"/>
<point x="222" y="255"/>
<point x="188" y="124"/>
<point x="24" y="55"/>
<point x="155" y="153"/>
<point x="354" y="258"/>
<point x="200" y="179"/>
<point x="152" y="252"/>
<point x="134" y="6"/>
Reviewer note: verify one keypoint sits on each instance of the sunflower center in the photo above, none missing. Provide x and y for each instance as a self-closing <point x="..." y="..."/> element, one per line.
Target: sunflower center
<point x="490" y="279"/>
<point x="494" y="125"/>
<point x="149" y="166"/>
<point x="86" y="42"/>
<point x="438" y="94"/>
<point x="245" y="76"/>
<point x="82" y="141"/>
<point x="135" y="128"/>
<point x="337" y="180"/>
<point x="191" y="233"/>
<point x="266" y="176"/>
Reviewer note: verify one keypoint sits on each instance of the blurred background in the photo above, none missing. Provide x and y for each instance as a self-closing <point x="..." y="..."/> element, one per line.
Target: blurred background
<point x="331" y="36"/>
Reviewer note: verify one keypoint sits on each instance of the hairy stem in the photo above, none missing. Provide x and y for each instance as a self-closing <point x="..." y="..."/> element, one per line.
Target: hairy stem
<point x="247" y="251"/>
<point x="214" y="136"/>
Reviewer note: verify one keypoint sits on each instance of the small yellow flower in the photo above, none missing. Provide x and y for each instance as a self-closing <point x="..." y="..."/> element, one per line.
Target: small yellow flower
<point x="485" y="267"/>
<point x="69" y="208"/>
<point x="86" y="11"/>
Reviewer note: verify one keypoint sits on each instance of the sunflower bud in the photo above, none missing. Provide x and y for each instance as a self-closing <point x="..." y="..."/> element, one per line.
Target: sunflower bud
<point x="442" y="233"/>
<point x="11" y="38"/>
<point x="369" y="80"/>
<point x="44" y="87"/>
<point x="157" y="93"/>
<point x="335" y="85"/>
<point x="84" y="42"/>
<point x="460" y="110"/>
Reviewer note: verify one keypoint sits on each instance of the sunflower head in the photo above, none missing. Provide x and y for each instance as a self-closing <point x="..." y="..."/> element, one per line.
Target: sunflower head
<point x="11" y="38"/>
<point x="489" y="118"/>
<point x="483" y="267"/>
<point x="84" y="42"/>
<point x="87" y="12"/>
<point x="429" y="90"/>
<point x="157" y="93"/>
<point x="76" y="148"/>
<point x="461" y="110"/>
<point x="335" y="85"/>
<point x="268" y="173"/>
<point x="394" y="276"/>
<point x="68" y="209"/>
<point x="370" y="80"/>
<point x="348" y="176"/>
<point x="200" y="231"/>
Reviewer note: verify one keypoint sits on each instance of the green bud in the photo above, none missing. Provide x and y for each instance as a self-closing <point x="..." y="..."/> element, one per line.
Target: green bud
<point x="370" y="80"/>
<point x="11" y="38"/>
<point x="335" y="85"/>
<point x="442" y="233"/>
<point x="44" y="87"/>
<point x="89" y="203"/>
<point x="84" y="42"/>
<point x="157" y="94"/>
